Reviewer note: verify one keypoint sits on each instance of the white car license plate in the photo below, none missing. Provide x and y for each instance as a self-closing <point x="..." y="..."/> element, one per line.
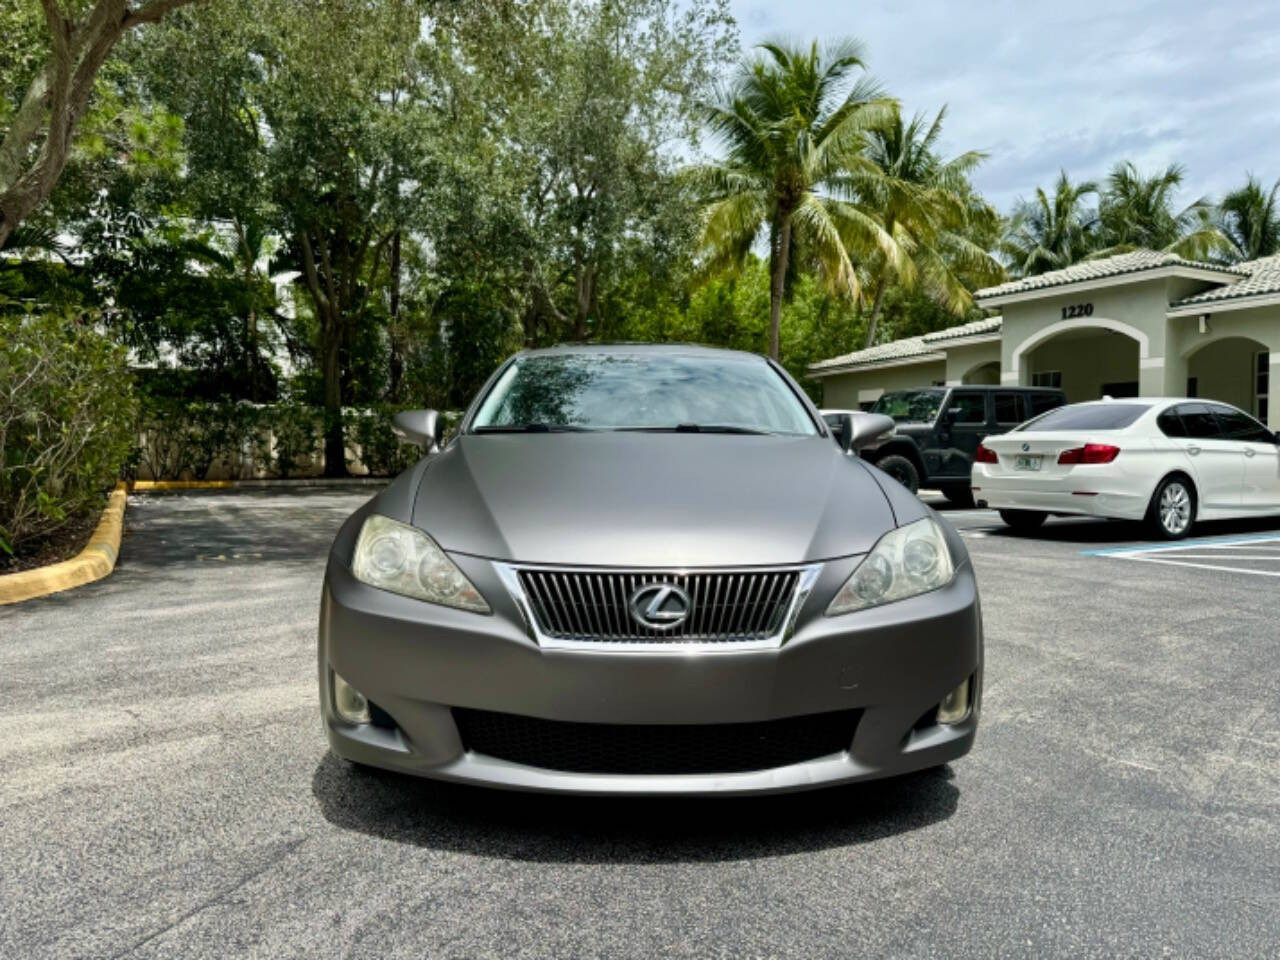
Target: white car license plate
<point x="1024" y="462"/>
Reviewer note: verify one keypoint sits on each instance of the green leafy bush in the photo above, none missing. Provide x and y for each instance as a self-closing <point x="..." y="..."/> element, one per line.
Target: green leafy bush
<point x="67" y="416"/>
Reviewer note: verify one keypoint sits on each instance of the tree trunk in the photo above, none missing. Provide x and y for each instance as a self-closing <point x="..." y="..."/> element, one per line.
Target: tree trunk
<point x="875" y="309"/>
<point x="396" y="364"/>
<point x="586" y="293"/>
<point x="335" y="454"/>
<point x="780" y="254"/>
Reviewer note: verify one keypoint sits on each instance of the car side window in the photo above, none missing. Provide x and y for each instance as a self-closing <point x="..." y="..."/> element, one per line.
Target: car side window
<point x="967" y="408"/>
<point x="1199" y="421"/>
<point x="1242" y="427"/>
<point x="1171" y="424"/>
<point x="1010" y="408"/>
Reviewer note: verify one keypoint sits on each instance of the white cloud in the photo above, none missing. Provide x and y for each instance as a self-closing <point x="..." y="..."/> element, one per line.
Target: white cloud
<point x="1078" y="85"/>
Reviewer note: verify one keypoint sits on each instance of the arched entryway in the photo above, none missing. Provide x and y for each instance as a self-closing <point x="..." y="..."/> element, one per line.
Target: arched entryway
<point x="1086" y="358"/>
<point x="1235" y="370"/>
<point x="984" y="373"/>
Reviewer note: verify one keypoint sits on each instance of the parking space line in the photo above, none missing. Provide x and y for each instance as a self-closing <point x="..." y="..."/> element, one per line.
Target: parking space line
<point x="1202" y="566"/>
<point x="1256" y="538"/>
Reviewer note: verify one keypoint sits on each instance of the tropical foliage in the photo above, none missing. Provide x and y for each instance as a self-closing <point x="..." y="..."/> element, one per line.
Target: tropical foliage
<point x="269" y="220"/>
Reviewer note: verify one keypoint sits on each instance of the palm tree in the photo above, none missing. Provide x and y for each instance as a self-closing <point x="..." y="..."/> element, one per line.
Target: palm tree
<point x="1138" y="211"/>
<point x="1049" y="233"/>
<point x="792" y="125"/>
<point x="1250" y="220"/>
<point x="928" y="206"/>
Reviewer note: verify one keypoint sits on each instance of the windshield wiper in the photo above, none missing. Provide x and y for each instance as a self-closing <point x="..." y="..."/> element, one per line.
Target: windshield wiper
<point x="531" y="428"/>
<point x="716" y="428"/>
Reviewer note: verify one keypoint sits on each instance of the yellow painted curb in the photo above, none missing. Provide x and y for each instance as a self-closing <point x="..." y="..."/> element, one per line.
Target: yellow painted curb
<point x="94" y="562"/>
<point x="142" y="486"/>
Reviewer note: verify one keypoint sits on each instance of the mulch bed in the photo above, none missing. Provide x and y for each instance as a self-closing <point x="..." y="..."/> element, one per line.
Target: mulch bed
<point x="63" y="544"/>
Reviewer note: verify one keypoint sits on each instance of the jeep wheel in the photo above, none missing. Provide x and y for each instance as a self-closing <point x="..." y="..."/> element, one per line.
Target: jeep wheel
<point x="901" y="469"/>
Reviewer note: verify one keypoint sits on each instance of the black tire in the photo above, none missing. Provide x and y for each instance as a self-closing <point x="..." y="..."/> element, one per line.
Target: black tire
<point x="959" y="495"/>
<point x="1024" y="521"/>
<point x="1172" y="511"/>
<point x="901" y="469"/>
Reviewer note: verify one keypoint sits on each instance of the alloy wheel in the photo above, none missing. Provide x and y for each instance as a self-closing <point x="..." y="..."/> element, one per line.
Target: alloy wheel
<point x="1175" y="508"/>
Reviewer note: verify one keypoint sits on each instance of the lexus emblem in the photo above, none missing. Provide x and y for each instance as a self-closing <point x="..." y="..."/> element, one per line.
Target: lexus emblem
<point x="660" y="606"/>
<point x="1026" y="447"/>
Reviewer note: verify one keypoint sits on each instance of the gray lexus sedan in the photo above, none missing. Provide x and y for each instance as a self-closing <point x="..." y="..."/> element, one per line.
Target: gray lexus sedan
<point x="653" y="570"/>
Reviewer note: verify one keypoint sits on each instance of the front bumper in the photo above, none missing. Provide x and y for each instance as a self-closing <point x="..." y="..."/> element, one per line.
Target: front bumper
<point x="418" y="661"/>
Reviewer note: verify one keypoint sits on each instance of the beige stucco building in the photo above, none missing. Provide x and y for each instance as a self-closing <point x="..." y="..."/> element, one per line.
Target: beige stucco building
<point x="1137" y="324"/>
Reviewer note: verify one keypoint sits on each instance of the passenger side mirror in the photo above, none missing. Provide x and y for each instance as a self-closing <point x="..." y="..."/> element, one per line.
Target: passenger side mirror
<point x="859" y="431"/>
<point x="418" y="427"/>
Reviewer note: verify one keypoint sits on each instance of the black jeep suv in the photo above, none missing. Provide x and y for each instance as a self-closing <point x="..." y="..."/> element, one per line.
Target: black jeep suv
<point x="939" y="429"/>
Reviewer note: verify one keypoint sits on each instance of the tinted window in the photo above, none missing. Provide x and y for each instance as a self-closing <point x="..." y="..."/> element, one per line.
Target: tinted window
<point x="1239" y="426"/>
<point x="1199" y="421"/>
<point x="1170" y="424"/>
<point x="660" y="390"/>
<point x="1040" y="402"/>
<point x="911" y="406"/>
<point x="968" y="408"/>
<point x="1089" y="416"/>
<point x="1010" y="408"/>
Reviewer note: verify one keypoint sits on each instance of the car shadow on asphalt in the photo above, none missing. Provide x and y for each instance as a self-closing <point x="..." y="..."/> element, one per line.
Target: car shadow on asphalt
<point x="572" y="829"/>
<point x="1089" y="531"/>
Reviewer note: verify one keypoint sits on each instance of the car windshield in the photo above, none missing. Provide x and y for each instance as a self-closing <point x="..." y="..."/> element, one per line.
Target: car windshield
<point x="914" y="406"/>
<point x="1088" y="416"/>
<point x="714" y="393"/>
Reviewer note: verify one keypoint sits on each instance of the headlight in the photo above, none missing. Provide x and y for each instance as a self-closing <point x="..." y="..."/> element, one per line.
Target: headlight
<point x="403" y="559"/>
<point x="905" y="562"/>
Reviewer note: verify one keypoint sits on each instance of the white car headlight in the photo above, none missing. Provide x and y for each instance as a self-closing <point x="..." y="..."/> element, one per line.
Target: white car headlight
<point x="905" y="562"/>
<point x="403" y="559"/>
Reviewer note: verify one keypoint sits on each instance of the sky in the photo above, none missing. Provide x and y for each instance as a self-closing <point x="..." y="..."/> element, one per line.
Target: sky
<point x="1076" y="84"/>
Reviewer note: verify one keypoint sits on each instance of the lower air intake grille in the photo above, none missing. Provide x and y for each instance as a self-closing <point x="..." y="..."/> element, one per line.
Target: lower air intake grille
<point x="655" y="748"/>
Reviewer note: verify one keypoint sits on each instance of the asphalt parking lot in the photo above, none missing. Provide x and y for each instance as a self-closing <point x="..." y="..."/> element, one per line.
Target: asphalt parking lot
<point x="167" y="791"/>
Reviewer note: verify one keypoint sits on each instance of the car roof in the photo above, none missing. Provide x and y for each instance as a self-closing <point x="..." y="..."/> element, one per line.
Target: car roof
<point x="636" y="348"/>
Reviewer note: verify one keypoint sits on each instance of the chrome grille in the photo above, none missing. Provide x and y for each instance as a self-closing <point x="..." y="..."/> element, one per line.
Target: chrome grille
<point x="725" y="606"/>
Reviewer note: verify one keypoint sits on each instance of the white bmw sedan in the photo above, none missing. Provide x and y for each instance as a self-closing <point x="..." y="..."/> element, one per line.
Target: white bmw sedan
<point x="1170" y="462"/>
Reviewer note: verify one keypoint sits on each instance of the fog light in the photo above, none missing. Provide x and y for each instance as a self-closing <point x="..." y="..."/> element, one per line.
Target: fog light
<point x="955" y="706"/>
<point x="351" y="704"/>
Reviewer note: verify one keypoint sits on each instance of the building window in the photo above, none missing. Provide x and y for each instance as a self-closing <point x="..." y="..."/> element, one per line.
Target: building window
<point x="1262" y="384"/>
<point x="1047" y="378"/>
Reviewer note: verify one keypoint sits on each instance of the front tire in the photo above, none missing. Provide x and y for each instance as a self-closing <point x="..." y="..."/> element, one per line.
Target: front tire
<point x="1173" y="508"/>
<point x="901" y="469"/>
<point x="1024" y="521"/>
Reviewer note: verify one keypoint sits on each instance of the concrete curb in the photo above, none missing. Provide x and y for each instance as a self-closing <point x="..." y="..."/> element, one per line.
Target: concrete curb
<point x="94" y="562"/>
<point x="158" y="486"/>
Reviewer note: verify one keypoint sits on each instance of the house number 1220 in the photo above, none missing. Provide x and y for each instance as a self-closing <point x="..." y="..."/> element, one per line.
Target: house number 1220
<point x="1077" y="310"/>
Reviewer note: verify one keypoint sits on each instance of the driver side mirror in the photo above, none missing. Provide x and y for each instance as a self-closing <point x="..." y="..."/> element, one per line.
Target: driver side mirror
<point x="859" y="431"/>
<point x="418" y="427"/>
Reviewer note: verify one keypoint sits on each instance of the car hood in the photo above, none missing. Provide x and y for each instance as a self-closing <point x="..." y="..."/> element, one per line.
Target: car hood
<point x="650" y="499"/>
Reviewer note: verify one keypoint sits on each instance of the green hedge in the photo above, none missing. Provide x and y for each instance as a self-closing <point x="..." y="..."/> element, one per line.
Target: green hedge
<point x="67" y="416"/>
<point x="182" y="440"/>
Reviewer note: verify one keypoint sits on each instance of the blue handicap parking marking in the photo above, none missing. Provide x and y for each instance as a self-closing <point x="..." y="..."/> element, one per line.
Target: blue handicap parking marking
<point x="1251" y="554"/>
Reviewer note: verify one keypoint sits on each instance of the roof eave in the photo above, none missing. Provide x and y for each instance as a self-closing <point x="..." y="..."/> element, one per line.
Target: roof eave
<point x="832" y="371"/>
<point x="1243" y="302"/>
<point x="1116" y="280"/>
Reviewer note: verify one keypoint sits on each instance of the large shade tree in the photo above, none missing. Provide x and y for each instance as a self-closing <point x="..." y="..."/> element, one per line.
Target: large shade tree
<point x="930" y="209"/>
<point x="39" y="128"/>
<point x="792" y="127"/>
